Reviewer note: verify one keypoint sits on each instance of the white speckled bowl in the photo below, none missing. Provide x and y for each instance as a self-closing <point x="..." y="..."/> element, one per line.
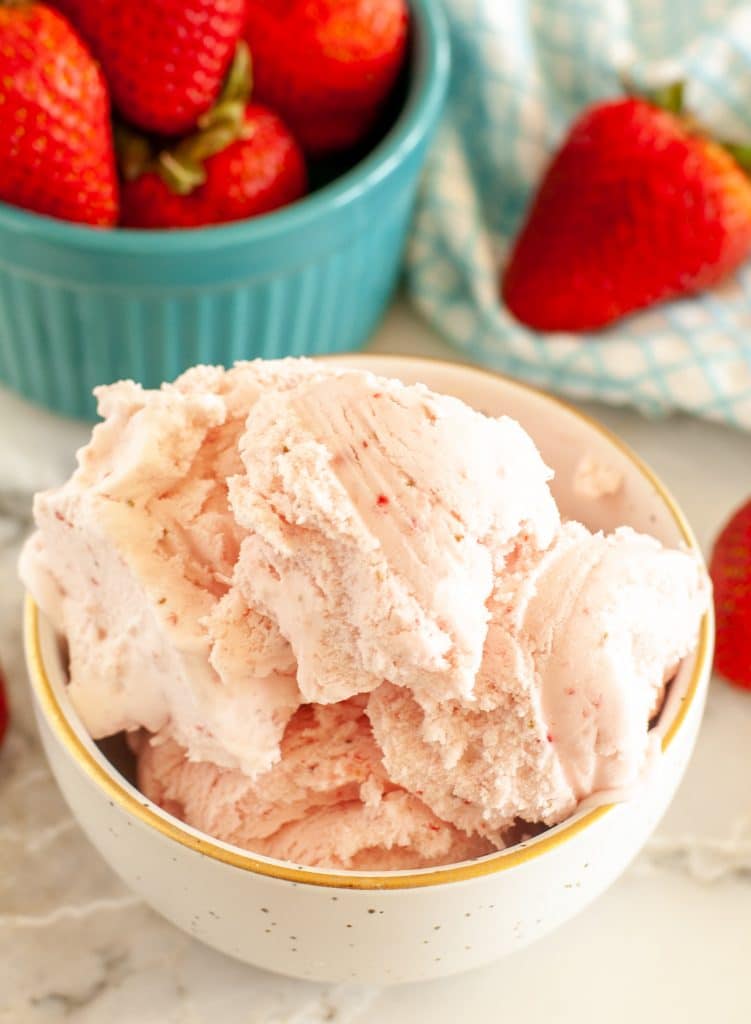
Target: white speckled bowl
<point x="402" y="926"/>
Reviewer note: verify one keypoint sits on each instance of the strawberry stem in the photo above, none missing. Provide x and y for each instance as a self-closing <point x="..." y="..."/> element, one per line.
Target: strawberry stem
<point x="134" y="152"/>
<point x="235" y="92"/>
<point x="181" y="175"/>
<point x="669" y="97"/>
<point x="740" y="152"/>
<point x="181" y="166"/>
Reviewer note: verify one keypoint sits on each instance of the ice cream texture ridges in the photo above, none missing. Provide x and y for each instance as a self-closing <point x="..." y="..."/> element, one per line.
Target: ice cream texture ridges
<point x="342" y="621"/>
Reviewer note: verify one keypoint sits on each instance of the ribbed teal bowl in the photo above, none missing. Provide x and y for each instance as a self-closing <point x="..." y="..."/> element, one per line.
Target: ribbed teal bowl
<point x="81" y="306"/>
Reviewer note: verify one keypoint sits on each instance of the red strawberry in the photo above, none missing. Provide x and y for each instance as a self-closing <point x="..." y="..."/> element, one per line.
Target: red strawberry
<point x="326" y="65"/>
<point x="164" y="59"/>
<point x="3" y="708"/>
<point x="253" y="175"/>
<point x="636" y="207"/>
<point x="730" y="569"/>
<point x="56" y="154"/>
<point x="243" y="163"/>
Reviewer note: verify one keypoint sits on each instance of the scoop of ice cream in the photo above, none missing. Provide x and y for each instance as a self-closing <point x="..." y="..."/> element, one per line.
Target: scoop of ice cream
<point x="327" y="803"/>
<point x="582" y="639"/>
<point x="245" y="559"/>
<point x="223" y="527"/>
<point x="378" y="516"/>
<point x="132" y="561"/>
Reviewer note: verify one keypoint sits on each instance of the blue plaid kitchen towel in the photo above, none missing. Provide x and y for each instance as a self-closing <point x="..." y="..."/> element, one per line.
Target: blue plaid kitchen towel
<point x="522" y="69"/>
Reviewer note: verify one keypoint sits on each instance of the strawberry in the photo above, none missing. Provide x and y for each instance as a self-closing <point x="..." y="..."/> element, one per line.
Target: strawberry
<point x="164" y="60"/>
<point x="637" y="207"/>
<point x="3" y="708"/>
<point x="730" y="569"/>
<point x="242" y="163"/>
<point x="326" y="65"/>
<point x="56" y="153"/>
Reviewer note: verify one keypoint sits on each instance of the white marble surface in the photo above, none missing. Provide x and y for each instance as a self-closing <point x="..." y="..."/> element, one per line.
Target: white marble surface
<point x="672" y="940"/>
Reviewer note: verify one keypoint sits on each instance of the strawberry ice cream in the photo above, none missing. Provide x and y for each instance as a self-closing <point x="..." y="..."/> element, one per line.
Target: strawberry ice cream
<point x="582" y="638"/>
<point x="378" y="517"/>
<point x="134" y="554"/>
<point x="341" y="620"/>
<point x="328" y="801"/>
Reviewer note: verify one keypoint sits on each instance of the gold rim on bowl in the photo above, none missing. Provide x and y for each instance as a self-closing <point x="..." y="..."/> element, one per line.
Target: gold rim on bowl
<point x="151" y="816"/>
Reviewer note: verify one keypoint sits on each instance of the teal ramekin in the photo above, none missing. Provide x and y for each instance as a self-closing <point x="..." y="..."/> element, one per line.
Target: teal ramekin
<point x="81" y="306"/>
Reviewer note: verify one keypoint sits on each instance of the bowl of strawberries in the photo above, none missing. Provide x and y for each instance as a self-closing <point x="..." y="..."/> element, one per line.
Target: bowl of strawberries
<point x="201" y="181"/>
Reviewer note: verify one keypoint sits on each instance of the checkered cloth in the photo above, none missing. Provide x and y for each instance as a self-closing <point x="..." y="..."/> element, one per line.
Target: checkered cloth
<point x="522" y="69"/>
